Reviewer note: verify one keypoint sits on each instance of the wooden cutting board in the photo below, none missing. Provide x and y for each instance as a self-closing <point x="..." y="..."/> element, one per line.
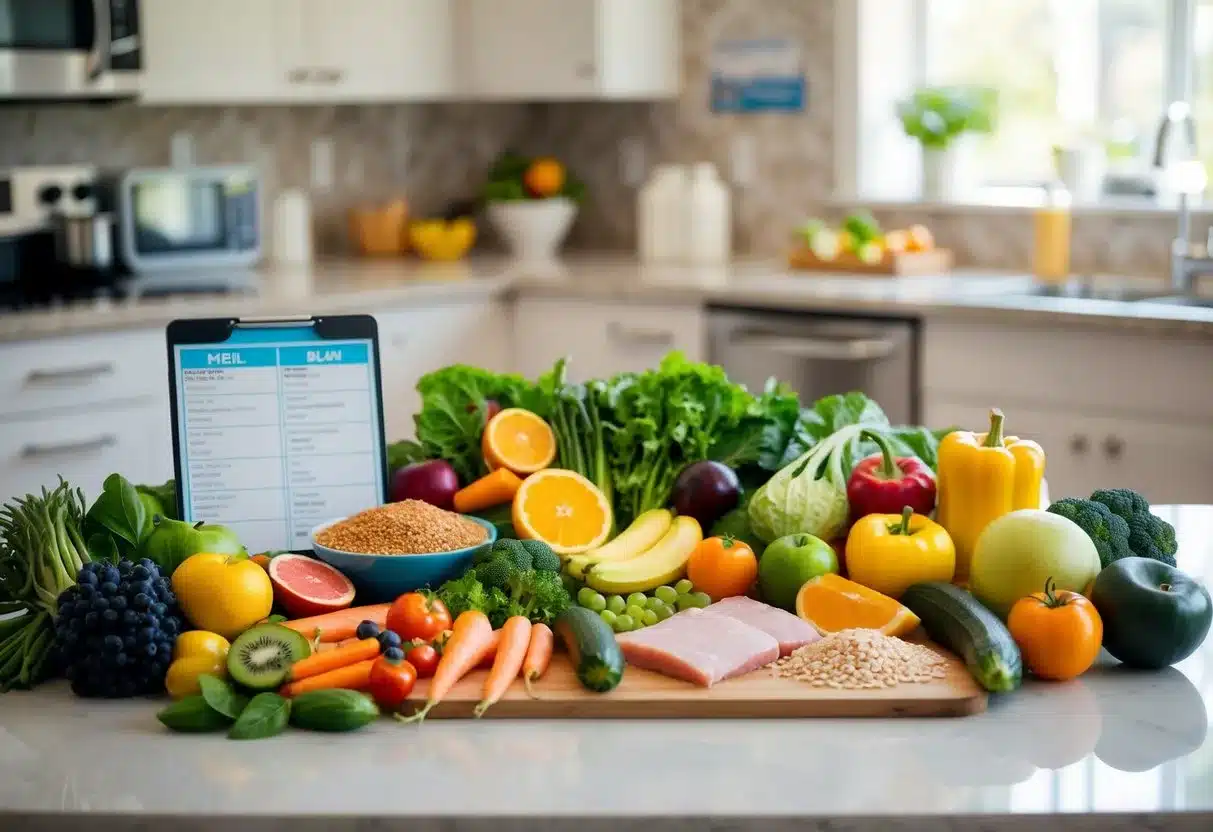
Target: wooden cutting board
<point x="646" y="695"/>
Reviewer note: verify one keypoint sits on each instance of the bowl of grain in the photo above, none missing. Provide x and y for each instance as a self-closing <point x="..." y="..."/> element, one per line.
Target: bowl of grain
<point x="398" y="547"/>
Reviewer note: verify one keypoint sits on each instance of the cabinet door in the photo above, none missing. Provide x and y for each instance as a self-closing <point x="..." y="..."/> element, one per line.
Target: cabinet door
<point x="375" y="50"/>
<point x="532" y="49"/>
<point x="639" y="43"/>
<point x="213" y="51"/>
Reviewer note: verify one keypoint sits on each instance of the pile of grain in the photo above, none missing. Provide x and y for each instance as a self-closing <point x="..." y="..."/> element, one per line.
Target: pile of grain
<point x="410" y="527"/>
<point x="859" y="659"/>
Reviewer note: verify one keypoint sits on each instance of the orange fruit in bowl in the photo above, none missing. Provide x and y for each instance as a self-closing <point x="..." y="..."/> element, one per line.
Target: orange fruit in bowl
<point x="519" y="440"/>
<point x="544" y="178"/>
<point x="563" y="509"/>
<point x="832" y="603"/>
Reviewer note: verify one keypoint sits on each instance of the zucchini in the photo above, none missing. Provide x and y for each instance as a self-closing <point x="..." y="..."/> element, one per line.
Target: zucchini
<point x="956" y="620"/>
<point x="333" y="710"/>
<point x="597" y="659"/>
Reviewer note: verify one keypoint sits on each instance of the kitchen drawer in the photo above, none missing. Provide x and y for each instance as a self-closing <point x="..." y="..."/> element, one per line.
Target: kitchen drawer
<point x="85" y="448"/>
<point x="63" y="373"/>
<point x="602" y="339"/>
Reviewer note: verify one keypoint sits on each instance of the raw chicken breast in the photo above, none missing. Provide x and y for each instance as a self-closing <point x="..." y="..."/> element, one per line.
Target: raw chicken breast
<point x="699" y="648"/>
<point x="789" y="630"/>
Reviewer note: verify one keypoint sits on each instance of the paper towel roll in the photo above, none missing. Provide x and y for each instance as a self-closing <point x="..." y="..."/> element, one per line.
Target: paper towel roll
<point x="292" y="228"/>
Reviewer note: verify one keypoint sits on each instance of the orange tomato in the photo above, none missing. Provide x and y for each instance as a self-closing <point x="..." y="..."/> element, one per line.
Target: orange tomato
<point x="722" y="567"/>
<point x="1058" y="632"/>
<point x="544" y="178"/>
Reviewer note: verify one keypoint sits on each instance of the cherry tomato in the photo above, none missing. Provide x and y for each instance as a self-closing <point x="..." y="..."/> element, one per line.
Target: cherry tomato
<point x="391" y="682"/>
<point x="425" y="658"/>
<point x="417" y="616"/>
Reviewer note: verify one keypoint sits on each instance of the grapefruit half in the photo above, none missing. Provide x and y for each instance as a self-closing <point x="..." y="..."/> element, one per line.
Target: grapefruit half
<point x="304" y="586"/>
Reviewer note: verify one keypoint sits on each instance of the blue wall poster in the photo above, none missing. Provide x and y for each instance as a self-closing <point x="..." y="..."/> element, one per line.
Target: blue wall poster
<point x="758" y="75"/>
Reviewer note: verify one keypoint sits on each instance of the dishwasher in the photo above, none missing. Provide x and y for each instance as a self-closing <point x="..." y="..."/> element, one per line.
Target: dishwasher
<point x="818" y="355"/>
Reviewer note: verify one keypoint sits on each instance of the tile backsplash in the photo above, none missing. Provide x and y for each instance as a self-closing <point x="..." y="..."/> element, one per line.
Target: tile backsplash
<point x="438" y="153"/>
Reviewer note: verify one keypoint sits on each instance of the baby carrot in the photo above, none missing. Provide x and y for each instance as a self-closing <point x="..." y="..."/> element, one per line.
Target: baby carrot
<point x="471" y="637"/>
<point x="511" y="650"/>
<point x="318" y="663"/>
<point x="492" y="489"/>
<point x="350" y="677"/>
<point x="538" y="655"/>
<point x="339" y="625"/>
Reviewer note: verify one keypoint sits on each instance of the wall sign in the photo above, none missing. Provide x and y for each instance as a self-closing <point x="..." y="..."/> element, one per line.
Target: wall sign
<point x="758" y="75"/>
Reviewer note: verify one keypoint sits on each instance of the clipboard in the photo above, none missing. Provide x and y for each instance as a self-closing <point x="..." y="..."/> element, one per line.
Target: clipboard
<point x="277" y="424"/>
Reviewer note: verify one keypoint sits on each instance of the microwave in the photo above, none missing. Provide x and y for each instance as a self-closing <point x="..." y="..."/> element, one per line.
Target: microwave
<point x="184" y="219"/>
<point x="69" y="49"/>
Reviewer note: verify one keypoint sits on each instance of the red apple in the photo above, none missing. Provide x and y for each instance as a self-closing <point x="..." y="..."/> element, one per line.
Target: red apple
<point x="434" y="482"/>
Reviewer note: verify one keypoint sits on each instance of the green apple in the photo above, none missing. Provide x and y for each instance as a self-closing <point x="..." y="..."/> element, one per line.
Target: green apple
<point x="172" y="541"/>
<point x="788" y="563"/>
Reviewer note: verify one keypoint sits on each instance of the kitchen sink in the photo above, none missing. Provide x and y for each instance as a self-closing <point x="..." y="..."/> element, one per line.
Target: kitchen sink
<point x="1181" y="300"/>
<point x="1089" y="291"/>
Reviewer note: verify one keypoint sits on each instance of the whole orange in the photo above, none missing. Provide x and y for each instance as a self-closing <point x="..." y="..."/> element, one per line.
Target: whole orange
<point x="544" y="178"/>
<point x="722" y="567"/>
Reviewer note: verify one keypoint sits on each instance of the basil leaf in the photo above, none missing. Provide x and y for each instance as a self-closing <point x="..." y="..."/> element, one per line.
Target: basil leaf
<point x="101" y="547"/>
<point x="265" y="716"/>
<point x="221" y="696"/>
<point x="121" y="512"/>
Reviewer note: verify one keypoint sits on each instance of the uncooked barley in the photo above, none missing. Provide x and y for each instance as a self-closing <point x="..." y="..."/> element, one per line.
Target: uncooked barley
<point x="410" y="527"/>
<point x="862" y="659"/>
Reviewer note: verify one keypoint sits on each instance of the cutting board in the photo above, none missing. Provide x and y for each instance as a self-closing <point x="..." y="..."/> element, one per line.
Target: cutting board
<point x="761" y="694"/>
<point x="906" y="264"/>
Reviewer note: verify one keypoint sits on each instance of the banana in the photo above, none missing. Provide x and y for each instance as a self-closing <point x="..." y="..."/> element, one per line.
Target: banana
<point x="664" y="563"/>
<point x="633" y="541"/>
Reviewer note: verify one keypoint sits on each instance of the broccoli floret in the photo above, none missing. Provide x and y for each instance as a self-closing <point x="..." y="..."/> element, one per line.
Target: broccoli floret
<point x="500" y="607"/>
<point x="1107" y="531"/>
<point x="1123" y="502"/>
<point x="1152" y="537"/>
<point x="515" y="552"/>
<point x="495" y="572"/>
<point x="463" y="594"/>
<point x="540" y="596"/>
<point x="542" y="556"/>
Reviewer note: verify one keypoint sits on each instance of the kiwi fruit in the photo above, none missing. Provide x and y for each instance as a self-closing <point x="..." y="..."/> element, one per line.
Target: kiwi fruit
<point x="261" y="657"/>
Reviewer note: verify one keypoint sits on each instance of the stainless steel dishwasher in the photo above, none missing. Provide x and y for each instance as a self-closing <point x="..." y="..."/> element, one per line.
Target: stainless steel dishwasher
<point x="820" y="355"/>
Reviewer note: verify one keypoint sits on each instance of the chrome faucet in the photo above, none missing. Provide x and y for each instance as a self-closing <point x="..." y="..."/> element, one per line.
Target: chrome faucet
<point x="1184" y="172"/>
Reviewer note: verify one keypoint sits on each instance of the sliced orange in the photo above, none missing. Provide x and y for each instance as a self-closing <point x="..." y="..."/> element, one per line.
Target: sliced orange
<point x="519" y="440"/>
<point x="832" y="603"/>
<point x="563" y="509"/>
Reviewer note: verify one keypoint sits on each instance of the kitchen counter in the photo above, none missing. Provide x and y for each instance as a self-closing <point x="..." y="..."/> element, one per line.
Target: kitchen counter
<point x="1132" y="748"/>
<point x="364" y="286"/>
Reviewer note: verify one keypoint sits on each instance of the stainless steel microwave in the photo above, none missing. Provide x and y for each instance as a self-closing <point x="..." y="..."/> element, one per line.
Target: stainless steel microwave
<point x="180" y="219"/>
<point x="69" y="49"/>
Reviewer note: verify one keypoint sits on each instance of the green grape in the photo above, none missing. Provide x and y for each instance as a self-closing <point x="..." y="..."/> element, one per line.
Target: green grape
<point x="616" y="604"/>
<point x="584" y="595"/>
<point x="686" y="602"/>
<point x="597" y="602"/>
<point x="623" y="623"/>
<point x="609" y="617"/>
<point x="653" y="603"/>
<point x="701" y="599"/>
<point x="637" y="599"/>
<point x="635" y="611"/>
<point x="684" y="587"/>
<point x="649" y="618"/>
<point x="665" y="612"/>
<point x="666" y="593"/>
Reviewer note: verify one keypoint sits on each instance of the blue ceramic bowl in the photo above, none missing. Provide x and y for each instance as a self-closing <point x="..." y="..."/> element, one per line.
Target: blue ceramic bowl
<point x="382" y="578"/>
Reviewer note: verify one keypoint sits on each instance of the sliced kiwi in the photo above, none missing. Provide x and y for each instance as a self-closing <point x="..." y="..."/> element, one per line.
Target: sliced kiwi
<point x="261" y="657"/>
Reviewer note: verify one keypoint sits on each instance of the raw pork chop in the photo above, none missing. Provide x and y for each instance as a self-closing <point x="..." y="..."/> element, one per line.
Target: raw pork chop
<point x="699" y="648"/>
<point x="789" y="630"/>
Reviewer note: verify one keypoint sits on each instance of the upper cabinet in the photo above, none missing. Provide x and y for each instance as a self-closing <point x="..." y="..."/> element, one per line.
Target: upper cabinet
<point x="227" y="51"/>
<point x="570" y="49"/>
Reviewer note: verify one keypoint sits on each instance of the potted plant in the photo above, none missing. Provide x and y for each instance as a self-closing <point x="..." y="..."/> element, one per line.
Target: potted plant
<point x="938" y="117"/>
<point x="532" y="203"/>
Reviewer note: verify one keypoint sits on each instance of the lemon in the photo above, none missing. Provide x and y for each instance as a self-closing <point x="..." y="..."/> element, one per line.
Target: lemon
<point x="195" y="643"/>
<point x="182" y="677"/>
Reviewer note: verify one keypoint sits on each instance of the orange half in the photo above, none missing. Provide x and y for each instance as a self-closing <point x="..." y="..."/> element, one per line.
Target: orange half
<point x="563" y="509"/>
<point x="519" y="440"/>
<point x="832" y="603"/>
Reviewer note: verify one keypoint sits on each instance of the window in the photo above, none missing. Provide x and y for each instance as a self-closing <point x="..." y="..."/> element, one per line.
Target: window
<point x="1096" y="73"/>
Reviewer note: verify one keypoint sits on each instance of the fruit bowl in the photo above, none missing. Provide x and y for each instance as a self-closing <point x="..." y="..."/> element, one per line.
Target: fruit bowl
<point x="533" y="229"/>
<point x="385" y="577"/>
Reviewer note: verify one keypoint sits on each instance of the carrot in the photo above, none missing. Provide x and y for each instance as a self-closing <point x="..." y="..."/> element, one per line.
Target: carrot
<point x="471" y="638"/>
<point x="491" y="655"/>
<point x="492" y="489"/>
<point x="339" y="625"/>
<point x="511" y="650"/>
<point x="317" y="663"/>
<point x="351" y="677"/>
<point x="538" y="655"/>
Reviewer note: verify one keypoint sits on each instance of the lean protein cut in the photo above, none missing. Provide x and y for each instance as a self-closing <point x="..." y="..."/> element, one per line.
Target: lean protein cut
<point x="409" y="527"/>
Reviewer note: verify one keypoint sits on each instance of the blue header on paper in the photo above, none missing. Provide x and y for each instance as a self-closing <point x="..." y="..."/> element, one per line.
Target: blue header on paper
<point x="219" y="358"/>
<point x="325" y="353"/>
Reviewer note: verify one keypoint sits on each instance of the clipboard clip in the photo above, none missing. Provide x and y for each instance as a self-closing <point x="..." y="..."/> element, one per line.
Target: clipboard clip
<point x="276" y="321"/>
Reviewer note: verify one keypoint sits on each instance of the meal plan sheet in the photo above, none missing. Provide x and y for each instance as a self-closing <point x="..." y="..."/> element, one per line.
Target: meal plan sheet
<point x="279" y="430"/>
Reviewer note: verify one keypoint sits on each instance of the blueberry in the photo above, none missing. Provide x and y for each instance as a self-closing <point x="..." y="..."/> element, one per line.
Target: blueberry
<point x="111" y="575"/>
<point x="143" y="586"/>
<point x="118" y="602"/>
<point x="91" y="620"/>
<point x="141" y="601"/>
<point x="149" y="564"/>
<point x="124" y="588"/>
<point x="146" y="635"/>
<point x="367" y="629"/>
<point x="170" y="626"/>
<point x="168" y="598"/>
<point x="110" y="616"/>
<point x="129" y="642"/>
<point x="140" y="573"/>
<point x="150" y="649"/>
<point x="76" y="624"/>
<point x="159" y="609"/>
<point x="87" y="576"/>
<point x="394" y="653"/>
<point x="122" y="660"/>
<point x="70" y="638"/>
<point x="81" y="607"/>
<point x="109" y="588"/>
<point x="130" y="617"/>
<point x="113" y="644"/>
<point x="87" y="591"/>
<point x="100" y="604"/>
<point x="388" y="639"/>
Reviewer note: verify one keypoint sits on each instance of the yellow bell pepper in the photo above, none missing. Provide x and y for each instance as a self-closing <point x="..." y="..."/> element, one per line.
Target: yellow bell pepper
<point x="981" y="477"/>
<point x="889" y="552"/>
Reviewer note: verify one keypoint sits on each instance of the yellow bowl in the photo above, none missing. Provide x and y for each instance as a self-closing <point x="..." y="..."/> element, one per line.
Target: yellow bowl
<point x="441" y="240"/>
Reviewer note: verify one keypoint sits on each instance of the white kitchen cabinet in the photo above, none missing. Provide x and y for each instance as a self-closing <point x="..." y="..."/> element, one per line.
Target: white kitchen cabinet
<point x="282" y="51"/>
<point x="570" y="49"/>
<point x="602" y="339"/>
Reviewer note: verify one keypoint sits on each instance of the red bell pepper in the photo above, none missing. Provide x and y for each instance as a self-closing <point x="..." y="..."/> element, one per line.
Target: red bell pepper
<point x="885" y="484"/>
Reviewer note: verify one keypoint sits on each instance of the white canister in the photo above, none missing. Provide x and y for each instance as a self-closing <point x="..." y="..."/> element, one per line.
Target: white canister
<point x="661" y="215"/>
<point x="710" y="220"/>
<point x="292" y="223"/>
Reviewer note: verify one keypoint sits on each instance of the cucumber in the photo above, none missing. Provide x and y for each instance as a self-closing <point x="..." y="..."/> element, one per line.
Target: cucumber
<point x="956" y="620"/>
<point x="595" y="654"/>
<point x="333" y="710"/>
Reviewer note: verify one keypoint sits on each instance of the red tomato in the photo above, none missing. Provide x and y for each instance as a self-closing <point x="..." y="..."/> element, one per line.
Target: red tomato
<point x="391" y="682"/>
<point x="416" y="616"/>
<point x="425" y="658"/>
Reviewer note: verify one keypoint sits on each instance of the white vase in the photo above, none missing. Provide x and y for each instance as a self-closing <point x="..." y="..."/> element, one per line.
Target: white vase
<point x="941" y="174"/>
<point x="533" y="229"/>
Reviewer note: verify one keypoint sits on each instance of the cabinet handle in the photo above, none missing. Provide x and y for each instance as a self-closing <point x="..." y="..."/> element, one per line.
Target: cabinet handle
<point x="639" y="336"/>
<point x="1113" y="446"/>
<point x="84" y="446"/>
<point x="328" y="76"/>
<point x="298" y="76"/>
<point x="819" y="349"/>
<point x="85" y="372"/>
<point x="1079" y="445"/>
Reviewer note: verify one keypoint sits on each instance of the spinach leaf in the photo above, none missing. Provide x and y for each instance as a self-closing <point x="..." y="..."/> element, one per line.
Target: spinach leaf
<point x="101" y="547"/>
<point x="265" y="716"/>
<point x="221" y="696"/>
<point x="121" y="512"/>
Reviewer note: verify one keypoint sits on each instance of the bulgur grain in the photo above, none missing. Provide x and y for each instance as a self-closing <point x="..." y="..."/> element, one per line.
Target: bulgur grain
<point x="410" y="527"/>
<point x="862" y="659"/>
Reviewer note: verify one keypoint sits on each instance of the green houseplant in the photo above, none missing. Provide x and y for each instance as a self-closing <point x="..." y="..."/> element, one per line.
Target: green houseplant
<point x="937" y="117"/>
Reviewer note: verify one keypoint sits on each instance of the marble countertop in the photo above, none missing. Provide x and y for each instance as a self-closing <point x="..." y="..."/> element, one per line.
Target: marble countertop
<point x="359" y="286"/>
<point x="1132" y="746"/>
